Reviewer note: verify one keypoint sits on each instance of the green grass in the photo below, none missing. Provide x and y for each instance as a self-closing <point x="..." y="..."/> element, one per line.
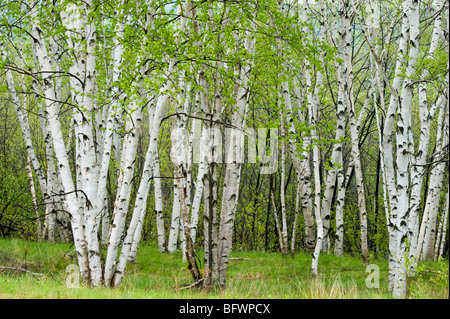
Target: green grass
<point x="156" y="275"/>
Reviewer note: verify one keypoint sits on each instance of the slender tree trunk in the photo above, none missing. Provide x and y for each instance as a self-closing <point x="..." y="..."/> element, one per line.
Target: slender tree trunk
<point x="348" y="99"/>
<point x="284" y="234"/>
<point x="208" y="155"/>
<point x="122" y="201"/>
<point x="313" y="104"/>
<point x="411" y="9"/>
<point x="417" y="171"/>
<point x="233" y="171"/>
<point x="141" y="202"/>
<point x="439" y="251"/>
<point x="175" y="222"/>
<point x="302" y="166"/>
<point x="190" y="254"/>
<point x="388" y="141"/>
<point x="277" y="223"/>
<point x="434" y="191"/>
<point x="340" y="200"/>
<point x="34" y="202"/>
<point x="54" y="127"/>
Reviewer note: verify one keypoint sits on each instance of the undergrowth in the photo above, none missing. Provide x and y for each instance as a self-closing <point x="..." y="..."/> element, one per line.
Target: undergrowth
<point x="39" y="270"/>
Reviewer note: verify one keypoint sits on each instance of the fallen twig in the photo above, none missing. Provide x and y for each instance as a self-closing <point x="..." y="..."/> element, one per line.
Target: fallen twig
<point x="187" y="286"/>
<point x="21" y="269"/>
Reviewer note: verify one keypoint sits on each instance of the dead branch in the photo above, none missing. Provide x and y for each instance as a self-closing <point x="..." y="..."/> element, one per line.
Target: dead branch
<point x="188" y="286"/>
<point x="239" y="258"/>
<point x="21" y="269"/>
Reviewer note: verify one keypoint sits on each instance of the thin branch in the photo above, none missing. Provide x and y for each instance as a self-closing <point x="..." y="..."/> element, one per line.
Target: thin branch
<point x="21" y="269"/>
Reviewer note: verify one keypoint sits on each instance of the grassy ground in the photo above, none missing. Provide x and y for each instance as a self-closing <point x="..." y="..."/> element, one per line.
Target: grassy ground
<point x="251" y="275"/>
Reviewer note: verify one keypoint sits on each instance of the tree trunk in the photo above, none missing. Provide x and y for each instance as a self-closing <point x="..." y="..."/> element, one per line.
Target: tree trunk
<point x="284" y="234"/>
<point x="419" y="160"/>
<point x="439" y="251"/>
<point x="434" y="190"/>
<point x="340" y="200"/>
<point x="277" y="223"/>
<point x="302" y="166"/>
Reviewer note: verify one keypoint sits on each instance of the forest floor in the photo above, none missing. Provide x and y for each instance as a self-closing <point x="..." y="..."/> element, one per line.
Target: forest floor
<point x="42" y="270"/>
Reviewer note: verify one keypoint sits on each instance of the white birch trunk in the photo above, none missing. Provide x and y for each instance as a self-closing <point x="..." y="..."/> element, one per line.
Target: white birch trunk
<point x="181" y="142"/>
<point x="434" y="191"/>
<point x="52" y="186"/>
<point x="175" y="223"/>
<point x="135" y="230"/>
<point x="388" y="140"/>
<point x="340" y="200"/>
<point x="111" y="139"/>
<point x="442" y="229"/>
<point x="344" y="85"/>
<point x="348" y="99"/>
<point x="418" y="168"/>
<point x="123" y="197"/>
<point x="208" y="157"/>
<point x="82" y="42"/>
<point x="33" y="201"/>
<point x="159" y="205"/>
<point x="56" y="217"/>
<point x="126" y="253"/>
<point x="233" y="171"/>
<point x="313" y="103"/>
<point x="139" y="206"/>
<point x="294" y="226"/>
<point x="284" y="237"/>
<point x="305" y="176"/>
<point x="403" y="157"/>
<point x="201" y="174"/>
<point x="158" y="189"/>
<point x="151" y="169"/>
<point x="54" y="127"/>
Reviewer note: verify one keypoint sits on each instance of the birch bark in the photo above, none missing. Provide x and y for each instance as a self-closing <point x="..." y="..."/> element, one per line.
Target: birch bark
<point x="343" y="72"/>
<point x="284" y="237"/>
<point x="39" y="228"/>
<point x="418" y="168"/>
<point x="434" y="190"/>
<point x="313" y="103"/>
<point x="123" y="197"/>
<point x="234" y="162"/>
<point x="340" y="200"/>
<point x="44" y="63"/>
<point x="294" y="226"/>
<point x="411" y="9"/>
<point x="305" y="175"/>
<point x="175" y="222"/>
<point x="439" y="251"/>
<point x="81" y="33"/>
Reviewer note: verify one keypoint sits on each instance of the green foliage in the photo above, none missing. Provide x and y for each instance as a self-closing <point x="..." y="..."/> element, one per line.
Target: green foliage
<point x="284" y="47"/>
<point x="436" y="273"/>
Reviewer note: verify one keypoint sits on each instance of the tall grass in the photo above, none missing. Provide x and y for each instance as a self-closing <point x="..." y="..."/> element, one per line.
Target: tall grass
<point x="38" y="270"/>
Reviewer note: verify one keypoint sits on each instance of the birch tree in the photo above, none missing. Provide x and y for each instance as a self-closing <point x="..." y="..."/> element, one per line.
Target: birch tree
<point x="426" y="114"/>
<point x="348" y="89"/>
<point x="398" y="179"/>
<point x="313" y="104"/>
<point x="116" y="85"/>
